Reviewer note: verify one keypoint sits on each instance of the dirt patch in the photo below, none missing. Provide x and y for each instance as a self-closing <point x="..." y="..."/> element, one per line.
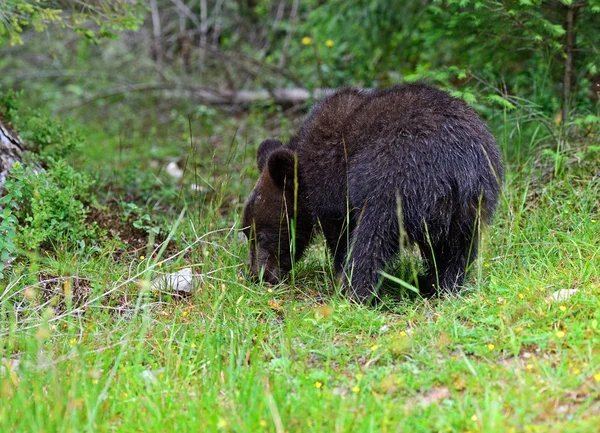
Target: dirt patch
<point x="112" y="222"/>
<point x="57" y="289"/>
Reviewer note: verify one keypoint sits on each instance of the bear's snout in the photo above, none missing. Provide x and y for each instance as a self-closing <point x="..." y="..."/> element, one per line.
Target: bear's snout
<point x="257" y="273"/>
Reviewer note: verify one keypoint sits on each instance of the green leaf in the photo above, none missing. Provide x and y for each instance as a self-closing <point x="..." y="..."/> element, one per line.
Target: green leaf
<point x="399" y="281"/>
<point x="503" y="102"/>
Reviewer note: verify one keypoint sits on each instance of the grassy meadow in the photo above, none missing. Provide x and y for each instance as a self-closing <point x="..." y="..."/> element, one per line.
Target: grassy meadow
<point x="86" y="345"/>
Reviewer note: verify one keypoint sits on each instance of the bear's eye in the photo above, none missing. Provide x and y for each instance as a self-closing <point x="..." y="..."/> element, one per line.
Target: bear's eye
<point x="260" y="238"/>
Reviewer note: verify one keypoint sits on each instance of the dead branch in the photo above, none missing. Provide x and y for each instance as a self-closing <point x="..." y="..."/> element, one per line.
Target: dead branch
<point x="287" y="96"/>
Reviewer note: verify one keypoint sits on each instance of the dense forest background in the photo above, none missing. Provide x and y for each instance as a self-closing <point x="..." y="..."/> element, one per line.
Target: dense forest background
<point x="538" y="57"/>
<point x="128" y="136"/>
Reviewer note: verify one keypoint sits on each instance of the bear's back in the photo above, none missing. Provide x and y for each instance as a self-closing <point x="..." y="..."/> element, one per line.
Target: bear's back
<point x="327" y="119"/>
<point x="414" y="113"/>
<point x="410" y="138"/>
<point x="429" y="146"/>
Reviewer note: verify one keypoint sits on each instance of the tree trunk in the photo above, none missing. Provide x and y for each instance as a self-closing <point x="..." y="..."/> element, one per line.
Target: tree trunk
<point x="11" y="149"/>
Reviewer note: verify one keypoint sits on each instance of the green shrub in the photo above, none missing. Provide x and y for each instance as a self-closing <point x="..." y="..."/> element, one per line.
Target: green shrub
<point x="46" y="137"/>
<point x="8" y="224"/>
<point x="49" y="205"/>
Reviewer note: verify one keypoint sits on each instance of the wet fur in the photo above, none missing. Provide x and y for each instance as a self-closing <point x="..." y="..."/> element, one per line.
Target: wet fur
<point x="363" y="159"/>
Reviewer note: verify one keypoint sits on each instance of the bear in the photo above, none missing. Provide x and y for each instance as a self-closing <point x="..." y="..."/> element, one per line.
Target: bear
<point x="376" y="171"/>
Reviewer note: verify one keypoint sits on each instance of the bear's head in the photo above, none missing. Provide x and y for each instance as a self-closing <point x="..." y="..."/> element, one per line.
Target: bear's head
<point x="275" y="222"/>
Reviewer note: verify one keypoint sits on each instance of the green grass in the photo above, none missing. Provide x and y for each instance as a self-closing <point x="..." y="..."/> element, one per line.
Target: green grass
<point x="102" y="352"/>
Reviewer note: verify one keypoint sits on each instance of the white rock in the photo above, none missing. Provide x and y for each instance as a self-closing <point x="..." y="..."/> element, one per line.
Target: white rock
<point x="199" y="188"/>
<point x="174" y="171"/>
<point x="384" y="329"/>
<point x="8" y="365"/>
<point x="180" y="281"/>
<point x="151" y="376"/>
<point x="562" y="295"/>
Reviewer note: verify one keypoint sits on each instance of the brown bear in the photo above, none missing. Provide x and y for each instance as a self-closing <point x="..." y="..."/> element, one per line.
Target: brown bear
<point x="375" y="171"/>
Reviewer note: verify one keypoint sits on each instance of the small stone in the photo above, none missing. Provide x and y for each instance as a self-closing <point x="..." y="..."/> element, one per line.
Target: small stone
<point x="562" y="295"/>
<point x="151" y="376"/>
<point x="340" y="390"/>
<point x="384" y="329"/>
<point x="174" y="171"/>
<point x="9" y="366"/>
<point x="199" y="188"/>
<point x="180" y="281"/>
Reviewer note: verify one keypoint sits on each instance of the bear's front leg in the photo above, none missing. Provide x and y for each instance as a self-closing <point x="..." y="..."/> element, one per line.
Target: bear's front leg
<point x="337" y="236"/>
<point x="374" y="242"/>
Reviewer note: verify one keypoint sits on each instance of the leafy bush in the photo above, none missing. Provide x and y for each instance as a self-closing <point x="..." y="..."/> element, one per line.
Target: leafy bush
<point x="46" y="137"/>
<point x="45" y="199"/>
<point x="8" y="224"/>
<point x="48" y="205"/>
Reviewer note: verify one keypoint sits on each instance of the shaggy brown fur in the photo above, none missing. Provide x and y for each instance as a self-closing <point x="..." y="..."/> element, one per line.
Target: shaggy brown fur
<point x="363" y="162"/>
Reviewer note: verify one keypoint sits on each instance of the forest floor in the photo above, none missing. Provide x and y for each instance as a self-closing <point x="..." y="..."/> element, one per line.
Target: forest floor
<point x="87" y="345"/>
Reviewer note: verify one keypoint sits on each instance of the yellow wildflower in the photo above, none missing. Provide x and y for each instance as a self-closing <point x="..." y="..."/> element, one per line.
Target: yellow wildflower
<point x="491" y="346"/>
<point x="560" y="334"/>
<point x="318" y="384"/>
<point x="329" y="43"/>
<point x="306" y="40"/>
<point x="355" y="389"/>
<point x="521" y="296"/>
<point x="562" y="308"/>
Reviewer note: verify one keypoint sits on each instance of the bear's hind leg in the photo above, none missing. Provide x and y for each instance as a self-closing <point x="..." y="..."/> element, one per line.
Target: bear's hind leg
<point x="447" y="263"/>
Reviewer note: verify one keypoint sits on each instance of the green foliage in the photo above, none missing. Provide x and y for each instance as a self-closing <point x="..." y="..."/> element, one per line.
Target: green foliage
<point x="9" y="222"/>
<point x="45" y="199"/>
<point x="15" y="15"/>
<point x="10" y="104"/>
<point x="108" y="17"/>
<point x="47" y="137"/>
<point x="49" y="205"/>
<point x="454" y="43"/>
<point x="141" y="220"/>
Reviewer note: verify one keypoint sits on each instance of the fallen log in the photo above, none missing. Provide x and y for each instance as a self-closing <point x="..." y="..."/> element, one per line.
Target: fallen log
<point x="284" y="96"/>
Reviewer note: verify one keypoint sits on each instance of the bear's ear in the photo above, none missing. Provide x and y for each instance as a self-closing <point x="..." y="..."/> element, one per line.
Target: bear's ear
<point x="264" y="150"/>
<point x="281" y="165"/>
